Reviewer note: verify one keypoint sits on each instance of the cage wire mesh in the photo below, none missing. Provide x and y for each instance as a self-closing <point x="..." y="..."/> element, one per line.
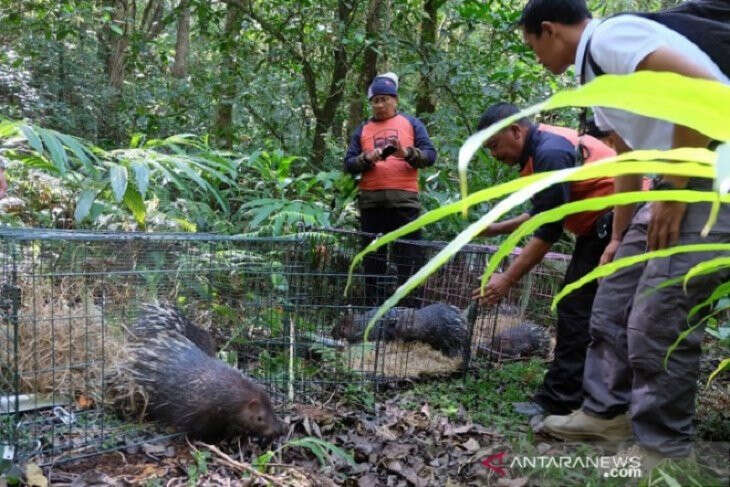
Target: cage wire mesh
<point x="66" y="298"/>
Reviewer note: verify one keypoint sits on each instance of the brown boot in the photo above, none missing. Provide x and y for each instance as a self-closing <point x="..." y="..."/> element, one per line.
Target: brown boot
<point x="581" y="426"/>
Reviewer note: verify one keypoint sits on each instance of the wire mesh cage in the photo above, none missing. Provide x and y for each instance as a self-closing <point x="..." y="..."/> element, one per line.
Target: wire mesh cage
<point x="273" y="306"/>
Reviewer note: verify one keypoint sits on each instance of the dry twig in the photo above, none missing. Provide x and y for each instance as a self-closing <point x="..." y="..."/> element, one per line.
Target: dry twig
<point x="230" y="462"/>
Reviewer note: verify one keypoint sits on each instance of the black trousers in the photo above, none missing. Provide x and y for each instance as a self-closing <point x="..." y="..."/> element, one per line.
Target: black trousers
<point x="562" y="389"/>
<point x="404" y="261"/>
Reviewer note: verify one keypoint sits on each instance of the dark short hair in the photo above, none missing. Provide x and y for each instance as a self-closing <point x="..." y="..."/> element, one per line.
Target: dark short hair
<point x="568" y="12"/>
<point x="497" y="112"/>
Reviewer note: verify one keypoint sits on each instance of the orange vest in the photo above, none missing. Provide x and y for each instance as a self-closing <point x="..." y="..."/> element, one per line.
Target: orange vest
<point x="393" y="172"/>
<point x="581" y="223"/>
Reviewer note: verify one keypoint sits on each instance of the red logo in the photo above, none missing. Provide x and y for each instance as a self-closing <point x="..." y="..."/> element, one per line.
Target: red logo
<point x="496" y="464"/>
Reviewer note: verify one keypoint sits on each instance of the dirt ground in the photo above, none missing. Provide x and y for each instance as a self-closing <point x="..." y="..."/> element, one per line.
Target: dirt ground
<point x="417" y="437"/>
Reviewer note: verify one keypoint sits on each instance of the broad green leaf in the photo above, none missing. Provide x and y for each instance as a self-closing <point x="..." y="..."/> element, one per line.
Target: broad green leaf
<point x="262" y="461"/>
<point x="83" y="204"/>
<point x="319" y="447"/>
<point x="208" y="169"/>
<point x="186" y="225"/>
<point x="593" y="204"/>
<point x="618" y="264"/>
<point x="55" y="149"/>
<point x="32" y="137"/>
<point x="81" y="153"/>
<point x="261" y="214"/>
<point x="135" y="140"/>
<point x="133" y="201"/>
<point x="9" y="128"/>
<point x="141" y="177"/>
<point x="171" y="176"/>
<point x="118" y="179"/>
<point x="706" y="267"/>
<point x="668" y="479"/>
<point x="723" y="365"/>
<point x="204" y="185"/>
<point x="690" y="102"/>
<point x="720" y="291"/>
<point x="679" y="340"/>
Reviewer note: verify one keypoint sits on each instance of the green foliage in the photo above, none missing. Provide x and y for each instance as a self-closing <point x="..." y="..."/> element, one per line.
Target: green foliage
<point x="178" y="183"/>
<point x="675" y="98"/>
<point x="488" y="396"/>
<point x="325" y="452"/>
<point x="200" y="467"/>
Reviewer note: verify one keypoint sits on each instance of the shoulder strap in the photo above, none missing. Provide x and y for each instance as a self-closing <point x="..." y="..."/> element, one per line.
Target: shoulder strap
<point x="588" y="59"/>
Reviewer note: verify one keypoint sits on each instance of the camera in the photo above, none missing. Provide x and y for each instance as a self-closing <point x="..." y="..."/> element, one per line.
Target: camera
<point x="387" y="151"/>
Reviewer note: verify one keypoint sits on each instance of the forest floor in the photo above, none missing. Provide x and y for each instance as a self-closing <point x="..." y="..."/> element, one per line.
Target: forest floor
<point x="433" y="433"/>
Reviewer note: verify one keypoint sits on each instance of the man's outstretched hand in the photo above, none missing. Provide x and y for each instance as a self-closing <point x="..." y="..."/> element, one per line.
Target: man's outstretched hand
<point x="497" y="288"/>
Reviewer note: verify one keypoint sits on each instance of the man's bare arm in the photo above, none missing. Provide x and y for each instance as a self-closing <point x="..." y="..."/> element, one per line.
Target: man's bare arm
<point x="506" y="226"/>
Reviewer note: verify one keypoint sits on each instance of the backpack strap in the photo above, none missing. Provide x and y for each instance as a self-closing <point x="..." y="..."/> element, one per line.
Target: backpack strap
<point x="583" y="117"/>
<point x="588" y="60"/>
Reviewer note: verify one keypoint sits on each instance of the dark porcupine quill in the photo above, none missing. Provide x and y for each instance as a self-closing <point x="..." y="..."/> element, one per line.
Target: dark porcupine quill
<point x="154" y="318"/>
<point x="189" y="389"/>
<point x="439" y="325"/>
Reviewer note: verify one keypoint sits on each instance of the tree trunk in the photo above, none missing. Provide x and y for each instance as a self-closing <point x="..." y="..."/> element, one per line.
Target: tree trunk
<point x="326" y="115"/>
<point x="425" y="104"/>
<point x="116" y="62"/>
<point x="182" y="45"/>
<point x="369" y="67"/>
<point x="226" y="88"/>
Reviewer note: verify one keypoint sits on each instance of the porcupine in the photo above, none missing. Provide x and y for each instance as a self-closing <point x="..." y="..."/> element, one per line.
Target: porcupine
<point x="189" y="389"/>
<point x="442" y="326"/>
<point x="523" y="340"/>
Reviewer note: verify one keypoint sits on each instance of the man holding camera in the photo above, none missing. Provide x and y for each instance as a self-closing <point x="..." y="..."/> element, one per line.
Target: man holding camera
<point x="387" y="151"/>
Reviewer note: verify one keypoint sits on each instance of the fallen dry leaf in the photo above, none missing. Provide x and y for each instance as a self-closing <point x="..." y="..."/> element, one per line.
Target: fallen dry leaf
<point x="34" y="476"/>
<point x="518" y="482"/>
<point x="397" y="450"/>
<point x="426" y="410"/>
<point x="471" y="445"/>
<point x="406" y="472"/>
<point x="369" y="480"/>
<point x="450" y="430"/>
<point x="84" y="402"/>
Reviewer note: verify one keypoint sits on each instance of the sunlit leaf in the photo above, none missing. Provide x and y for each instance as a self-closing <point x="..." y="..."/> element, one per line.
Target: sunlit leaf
<point x="719" y="292"/>
<point x="55" y="149"/>
<point x="118" y="179"/>
<point x="141" y="177"/>
<point x="667" y="96"/>
<point x="618" y="264"/>
<point x="723" y="365"/>
<point x="712" y="265"/>
<point x="32" y="137"/>
<point x="133" y="201"/>
<point x="83" y="204"/>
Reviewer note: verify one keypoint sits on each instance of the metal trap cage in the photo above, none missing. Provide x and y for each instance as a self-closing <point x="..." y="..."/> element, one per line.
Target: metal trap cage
<point x="66" y="298"/>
